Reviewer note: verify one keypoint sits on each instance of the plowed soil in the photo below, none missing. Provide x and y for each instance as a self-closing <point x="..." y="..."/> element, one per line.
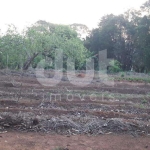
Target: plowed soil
<point x="125" y="101"/>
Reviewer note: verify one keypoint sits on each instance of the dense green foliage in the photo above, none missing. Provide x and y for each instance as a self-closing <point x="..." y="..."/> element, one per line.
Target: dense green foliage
<point x="115" y="66"/>
<point x="126" y="38"/>
<point x="40" y="42"/>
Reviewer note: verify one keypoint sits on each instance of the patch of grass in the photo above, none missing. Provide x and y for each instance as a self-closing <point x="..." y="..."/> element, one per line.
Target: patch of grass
<point x="144" y="101"/>
<point x="142" y="106"/>
<point x="122" y="75"/>
<point x="146" y="80"/>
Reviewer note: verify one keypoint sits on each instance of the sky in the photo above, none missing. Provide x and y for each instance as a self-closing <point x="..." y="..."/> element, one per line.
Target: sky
<point x="23" y="13"/>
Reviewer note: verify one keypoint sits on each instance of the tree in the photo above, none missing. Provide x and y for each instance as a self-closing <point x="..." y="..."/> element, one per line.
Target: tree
<point x="55" y="37"/>
<point x="81" y="29"/>
<point x="126" y="38"/>
<point x="11" y="48"/>
<point x="40" y="41"/>
<point x="114" y="35"/>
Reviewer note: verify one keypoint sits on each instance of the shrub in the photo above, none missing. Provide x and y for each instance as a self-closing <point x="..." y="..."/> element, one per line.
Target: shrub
<point x="115" y="66"/>
<point x="122" y="74"/>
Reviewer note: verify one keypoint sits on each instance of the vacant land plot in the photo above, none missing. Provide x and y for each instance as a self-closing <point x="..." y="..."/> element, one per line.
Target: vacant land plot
<point x="75" y="112"/>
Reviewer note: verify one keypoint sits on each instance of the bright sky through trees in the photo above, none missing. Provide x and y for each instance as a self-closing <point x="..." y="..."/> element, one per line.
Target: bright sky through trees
<point x="25" y="12"/>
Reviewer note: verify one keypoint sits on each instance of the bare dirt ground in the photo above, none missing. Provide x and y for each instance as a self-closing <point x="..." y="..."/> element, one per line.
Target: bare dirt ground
<point x="94" y="117"/>
<point x="36" y="141"/>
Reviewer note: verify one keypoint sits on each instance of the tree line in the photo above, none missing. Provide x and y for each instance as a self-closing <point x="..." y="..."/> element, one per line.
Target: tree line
<point x="40" y="42"/>
<point x="126" y="38"/>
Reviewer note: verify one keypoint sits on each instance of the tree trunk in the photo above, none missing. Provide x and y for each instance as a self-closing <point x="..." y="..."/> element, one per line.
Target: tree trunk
<point x="29" y="61"/>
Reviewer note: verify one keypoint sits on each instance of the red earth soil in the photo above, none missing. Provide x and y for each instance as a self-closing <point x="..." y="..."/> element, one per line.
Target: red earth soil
<point x="37" y="141"/>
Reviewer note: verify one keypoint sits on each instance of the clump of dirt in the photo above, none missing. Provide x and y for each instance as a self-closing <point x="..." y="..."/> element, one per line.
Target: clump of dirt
<point x="70" y="125"/>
